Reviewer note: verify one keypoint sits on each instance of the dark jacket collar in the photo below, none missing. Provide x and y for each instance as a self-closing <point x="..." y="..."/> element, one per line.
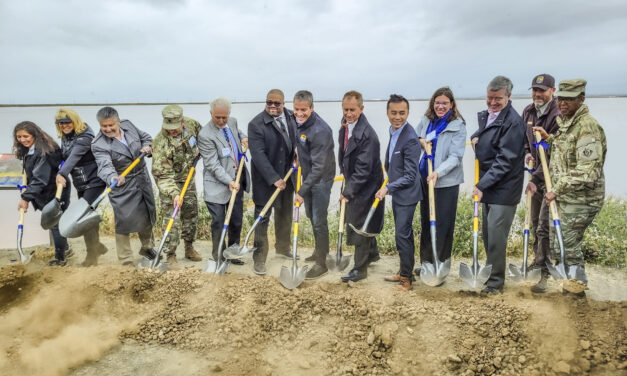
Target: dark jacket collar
<point x="483" y="116"/>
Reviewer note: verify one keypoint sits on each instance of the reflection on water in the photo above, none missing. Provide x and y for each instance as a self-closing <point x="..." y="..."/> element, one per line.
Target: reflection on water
<point x="607" y="111"/>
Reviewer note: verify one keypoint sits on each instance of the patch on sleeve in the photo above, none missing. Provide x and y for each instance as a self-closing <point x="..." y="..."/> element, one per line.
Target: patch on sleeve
<point x="588" y="148"/>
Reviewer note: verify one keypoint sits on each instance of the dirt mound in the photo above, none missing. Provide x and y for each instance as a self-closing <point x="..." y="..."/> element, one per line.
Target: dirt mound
<point x="60" y="320"/>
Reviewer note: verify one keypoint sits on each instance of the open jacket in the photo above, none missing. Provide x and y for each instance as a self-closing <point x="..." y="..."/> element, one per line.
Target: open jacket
<point x="133" y="202"/>
<point x="361" y="165"/>
<point x="548" y="121"/>
<point x="315" y="152"/>
<point x="501" y="155"/>
<point x="404" y="178"/>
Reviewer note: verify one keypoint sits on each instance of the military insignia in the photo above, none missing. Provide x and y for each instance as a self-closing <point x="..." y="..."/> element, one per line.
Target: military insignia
<point x="540" y="79"/>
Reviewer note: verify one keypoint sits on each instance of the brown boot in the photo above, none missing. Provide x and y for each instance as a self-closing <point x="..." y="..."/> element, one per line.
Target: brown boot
<point x="91" y="259"/>
<point x="171" y="259"/>
<point x="393" y="278"/>
<point x="190" y="252"/>
<point x="404" y="284"/>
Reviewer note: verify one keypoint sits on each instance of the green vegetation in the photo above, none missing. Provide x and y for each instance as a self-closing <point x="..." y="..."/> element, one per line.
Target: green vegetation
<point x="605" y="241"/>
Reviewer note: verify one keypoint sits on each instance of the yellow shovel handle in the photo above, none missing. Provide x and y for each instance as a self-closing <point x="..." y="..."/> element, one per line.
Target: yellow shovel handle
<point x="274" y="195"/>
<point x="475" y="217"/>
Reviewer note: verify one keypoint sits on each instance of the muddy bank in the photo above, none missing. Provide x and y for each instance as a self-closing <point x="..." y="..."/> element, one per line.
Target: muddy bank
<point x="114" y="320"/>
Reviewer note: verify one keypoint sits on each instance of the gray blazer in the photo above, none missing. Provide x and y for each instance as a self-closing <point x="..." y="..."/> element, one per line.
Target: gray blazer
<point x="449" y="152"/>
<point x="219" y="166"/>
<point x="133" y="203"/>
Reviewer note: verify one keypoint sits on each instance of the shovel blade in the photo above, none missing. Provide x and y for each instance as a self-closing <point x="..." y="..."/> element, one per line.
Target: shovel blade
<point x="362" y="233"/>
<point x="291" y="277"/>
<point x="472" y="280"/>
<point x="234" y="251"/>
<point x="210" y="267"/>
<point x="337" y="263"/>
<point x="78" y="219"/>
<point x="51" y="214"/>
<point x="432" y="276"/>
<point x="24" y="258"/>
<point x="516" y="274"/>
<point x="557" y="271"/>
<point x="145" y="262"/>
<point x="577" y="272"/>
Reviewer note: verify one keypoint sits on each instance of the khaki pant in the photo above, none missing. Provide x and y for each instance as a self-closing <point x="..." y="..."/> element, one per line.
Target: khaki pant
<point x="123" y="244"/>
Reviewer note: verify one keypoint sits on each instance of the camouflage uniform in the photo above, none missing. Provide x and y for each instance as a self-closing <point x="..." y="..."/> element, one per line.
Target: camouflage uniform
<point x="172" y="159"/>
<point x="578" y="151"/>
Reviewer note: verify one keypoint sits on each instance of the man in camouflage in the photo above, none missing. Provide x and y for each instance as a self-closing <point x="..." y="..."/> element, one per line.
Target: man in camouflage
<point x="578" y="151"/>
<point x="174" y="149"/>
<point x="543" y="112"/>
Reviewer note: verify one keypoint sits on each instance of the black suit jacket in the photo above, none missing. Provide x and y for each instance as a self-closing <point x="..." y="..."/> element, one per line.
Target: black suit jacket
<point x="271" y="157"/>
<point x="361" y="165"/>
<point x="404" y="179"/>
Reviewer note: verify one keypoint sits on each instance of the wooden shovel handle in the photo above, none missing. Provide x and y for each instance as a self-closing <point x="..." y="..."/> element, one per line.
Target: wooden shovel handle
<point x="431" y="187"/>
<point x="234" y="193"/>
<point x="547" y="176"/>
<point x="275" y="194"/>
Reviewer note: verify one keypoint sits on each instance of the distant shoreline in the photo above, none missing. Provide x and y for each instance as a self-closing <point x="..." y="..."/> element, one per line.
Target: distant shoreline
<point x="244" y="102"/>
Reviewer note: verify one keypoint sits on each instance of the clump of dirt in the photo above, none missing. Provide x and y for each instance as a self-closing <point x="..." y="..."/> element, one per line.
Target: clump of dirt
<point x="11" y="274"/>
<point x="66" y="317"/>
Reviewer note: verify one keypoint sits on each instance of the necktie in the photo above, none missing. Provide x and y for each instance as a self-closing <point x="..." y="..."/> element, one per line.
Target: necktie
<point x="491" y="117"/>
<point x="283" y="129"/>
<point x="345" y="136"/>
<point x="228" y="140"/>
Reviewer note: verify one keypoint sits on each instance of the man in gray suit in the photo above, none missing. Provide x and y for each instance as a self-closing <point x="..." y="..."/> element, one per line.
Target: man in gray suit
<point x="221" y="144"/>
<point x="115" y="147"/>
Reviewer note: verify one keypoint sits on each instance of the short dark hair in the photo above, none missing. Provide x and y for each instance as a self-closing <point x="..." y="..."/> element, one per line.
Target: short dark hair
<point x="107" y="113"/>
<point x="304" y="96"/>
<point x="395" y="98"/>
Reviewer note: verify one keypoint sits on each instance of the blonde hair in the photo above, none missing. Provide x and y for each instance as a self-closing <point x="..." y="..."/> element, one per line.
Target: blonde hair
<point x="79" y="125"/>
<point x="354" y="94"/>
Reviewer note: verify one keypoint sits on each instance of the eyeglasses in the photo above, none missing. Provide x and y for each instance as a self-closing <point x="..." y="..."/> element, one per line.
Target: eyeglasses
<point x="441" y="104"/>
<point x="273" y="103"/>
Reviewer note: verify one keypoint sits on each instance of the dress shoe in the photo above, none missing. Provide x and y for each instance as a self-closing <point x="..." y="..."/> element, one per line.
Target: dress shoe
<point x="237" y="261"/>
<point x="148" y="253"/>
<point x="417" y="272"/>
<point x="354" y="275"/>
<point x="393" y="278"/>
<point x="129" y="263"/>
<point x="286" y="255"/>
<point x="404" y="284"/>
<point x="492" y="291"/>
<point x="311" y="258"/>
<point x="316" y="271"/>
<point x="259" y="268"/>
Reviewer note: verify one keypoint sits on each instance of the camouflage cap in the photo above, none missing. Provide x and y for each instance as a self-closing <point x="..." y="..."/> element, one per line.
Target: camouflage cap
<point x="172" y="116"/>
<point x="571" y="88"/>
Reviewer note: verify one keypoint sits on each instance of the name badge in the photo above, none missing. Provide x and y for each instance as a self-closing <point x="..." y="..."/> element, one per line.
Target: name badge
<point x="226" y="152"/>
<point x="192" y="141"/>
<point x="430" y="136"/>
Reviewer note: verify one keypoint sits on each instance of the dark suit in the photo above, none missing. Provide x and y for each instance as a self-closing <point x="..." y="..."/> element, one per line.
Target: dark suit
<point x="363" y="176"/>
<point x="272" y="155"/>
<point x="405" y="189"/>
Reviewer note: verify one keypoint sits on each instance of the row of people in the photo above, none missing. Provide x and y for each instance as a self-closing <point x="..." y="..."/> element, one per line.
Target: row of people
<point x="279" y="138"/>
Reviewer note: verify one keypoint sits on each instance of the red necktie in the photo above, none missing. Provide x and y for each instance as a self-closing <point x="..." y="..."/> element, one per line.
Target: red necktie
<point x="345" y="135"/>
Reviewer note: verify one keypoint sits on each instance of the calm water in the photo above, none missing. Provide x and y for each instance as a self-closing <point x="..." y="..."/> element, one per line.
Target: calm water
<point x="608" y="111"/>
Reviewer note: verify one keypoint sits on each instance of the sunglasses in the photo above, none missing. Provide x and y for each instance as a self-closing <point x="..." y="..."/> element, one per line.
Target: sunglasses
<point x="272" y="103"/>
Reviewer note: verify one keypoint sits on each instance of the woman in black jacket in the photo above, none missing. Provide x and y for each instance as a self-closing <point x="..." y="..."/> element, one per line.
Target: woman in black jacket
<point x="76" y="137"/>
<point x="40" y="157"/>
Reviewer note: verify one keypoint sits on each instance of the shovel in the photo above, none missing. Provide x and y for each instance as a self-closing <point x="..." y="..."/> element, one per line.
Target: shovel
<point x="24" y="258"/>
<point x="81" y="216"/>
<point x="235" y="252"/>
<point x="218" y="266"/>
<point x="338" y="262"/>
<point x="433" y="274"/>
<point x="292" y="277"/>
<point x="51" y="213"/>
<point x="476" y="276"/>
<point x="561" y="270"/>
<point x="156" y="263"/>
<point x="362" y="231"/>
<point x="522" y="274"/>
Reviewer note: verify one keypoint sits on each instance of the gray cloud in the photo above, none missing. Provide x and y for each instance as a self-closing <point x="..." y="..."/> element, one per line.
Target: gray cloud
<point x="171" y="50"/>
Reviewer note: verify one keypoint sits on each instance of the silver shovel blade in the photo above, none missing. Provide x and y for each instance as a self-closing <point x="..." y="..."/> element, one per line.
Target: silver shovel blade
<point x="557" y="271"/>
<point x="291" y="277"/>
<point x="213" y="267"/>
<point x="78" y="219"/>
<point x="24" y="258"/>
<point x="145" y="262"/>
<point x="362" y="233"/>
<point x="577" y="272"/>
<point x="337" y="264"/>
<point x="51" y="214"/>
<point x="474" y="281"/>
<point x="234" y="252"/>
<point x="432" y="277"/>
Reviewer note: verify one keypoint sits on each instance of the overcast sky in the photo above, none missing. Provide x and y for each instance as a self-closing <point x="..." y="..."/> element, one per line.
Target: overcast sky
<point x="105" y="51"/>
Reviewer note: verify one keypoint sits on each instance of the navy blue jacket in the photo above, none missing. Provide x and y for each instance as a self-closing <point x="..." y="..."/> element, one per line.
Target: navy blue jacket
<point x="501" y="154"/>
<point x="314" y="143"/>
<point x="404" y="179"/>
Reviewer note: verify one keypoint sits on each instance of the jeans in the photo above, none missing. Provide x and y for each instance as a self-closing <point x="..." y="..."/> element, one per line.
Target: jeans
<point x="60" y="243"/>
